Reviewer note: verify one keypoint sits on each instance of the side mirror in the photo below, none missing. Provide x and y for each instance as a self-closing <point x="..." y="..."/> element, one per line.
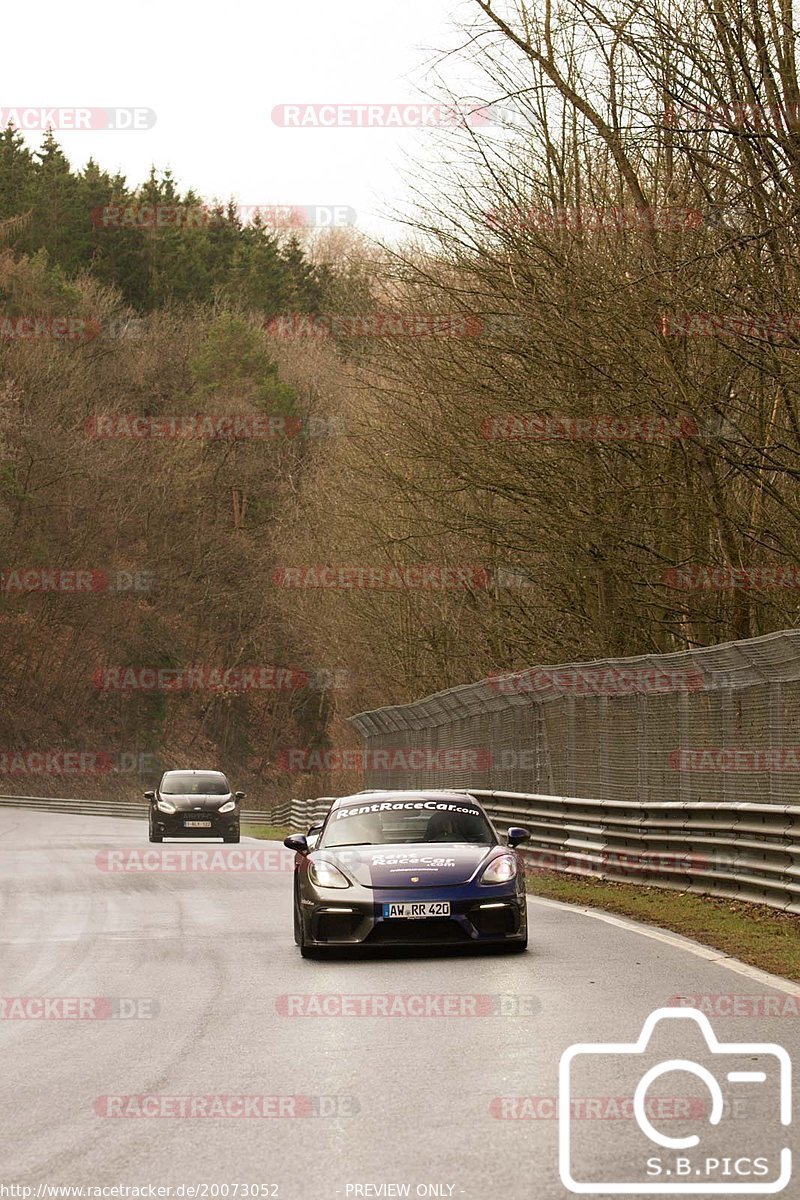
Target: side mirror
<point x="238" y="795"/>
<point x="296" y="842"/>
<point x="516" y="835"/>
<point x="149" y="795"/>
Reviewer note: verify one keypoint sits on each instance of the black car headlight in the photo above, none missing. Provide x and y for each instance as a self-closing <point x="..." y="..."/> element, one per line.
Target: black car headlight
<point x="326" y="874"/>
<point x="501" y="869"/>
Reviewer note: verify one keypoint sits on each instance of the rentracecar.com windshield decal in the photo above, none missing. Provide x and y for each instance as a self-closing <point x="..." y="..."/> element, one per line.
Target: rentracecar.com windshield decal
<point x="355" y="810"/>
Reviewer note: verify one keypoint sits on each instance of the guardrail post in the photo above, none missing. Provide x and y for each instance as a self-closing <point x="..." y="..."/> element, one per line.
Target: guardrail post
<point x="776" y="736"/>
<point x="605" y="731"/>
<point x="571" y="745"/>
<point x="544" y="762"/>
<point x="729" y="738"/>
<point x="684" y="781"/>
<point x="642" y="780"/>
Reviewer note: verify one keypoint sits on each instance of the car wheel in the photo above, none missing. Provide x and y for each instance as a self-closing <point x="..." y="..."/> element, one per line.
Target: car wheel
<point x="296" y="924"/>
<point x="517" y="947"/>
<point x="154" y="837"/>
<point x="231" y="837"/>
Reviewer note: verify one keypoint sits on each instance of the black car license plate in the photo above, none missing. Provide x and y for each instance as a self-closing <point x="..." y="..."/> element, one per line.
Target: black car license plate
<point x="417" y="909"/>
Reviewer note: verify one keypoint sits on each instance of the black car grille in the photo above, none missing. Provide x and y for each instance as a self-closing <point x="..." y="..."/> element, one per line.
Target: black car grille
<point x="335" y="927"/>
<point x="494" y="922"/>
<point x="427" y="929"/>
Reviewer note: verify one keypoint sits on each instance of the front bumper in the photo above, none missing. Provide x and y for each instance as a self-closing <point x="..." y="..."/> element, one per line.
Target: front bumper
<point x="172" y="824"/>
<point x="478" y="915"/>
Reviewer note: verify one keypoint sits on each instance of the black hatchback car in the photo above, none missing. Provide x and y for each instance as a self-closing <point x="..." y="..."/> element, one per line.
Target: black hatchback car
<point x="407" y="869"/>
<point x="194" y="804"/>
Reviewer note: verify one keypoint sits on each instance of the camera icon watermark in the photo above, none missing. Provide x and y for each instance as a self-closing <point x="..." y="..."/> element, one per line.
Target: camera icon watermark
<point x="752" y="1162"/>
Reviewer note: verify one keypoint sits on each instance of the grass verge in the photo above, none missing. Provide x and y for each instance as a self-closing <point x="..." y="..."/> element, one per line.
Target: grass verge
<point x="270" y="833"/>
<point x="754" y="933"/>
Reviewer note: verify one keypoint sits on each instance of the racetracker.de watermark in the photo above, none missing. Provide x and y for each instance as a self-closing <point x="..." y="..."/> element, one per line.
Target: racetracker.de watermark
<point x="49" y="329"/>
<point x="732" y="1004"/>
<point x="734" y="759"/>
<point x="556" y="427"/>
<point x="29" y="117"/>
<point x="78" y="1008"/>
<point x="398" y="758"/>
<point x="225" y="1105"/>
<point x="737" y="115"/>
<point x="76" y="762"/>
<point x="764" y="326"/>
<point x="596" y="1108"/>
<point x="174" y="860"/>
<point x="376" y="115"/>
<point x="545" y="862"/>
<point x="434" y="577"/>
<point x="600" y="681"/>
<point x="373" y="325"/>
<point x="212" y="679"/>
<point x="406" y="1004"/>
<point x="204" y="216"/>
<point x="267" y="427"/>
<point x="17" y="581"/>
<point x="727" y="578"/>
<point x="593" y="219"/>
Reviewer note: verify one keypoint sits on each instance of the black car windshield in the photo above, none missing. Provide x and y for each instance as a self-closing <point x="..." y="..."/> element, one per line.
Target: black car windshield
<point x="190" y="783"/>
<point x="392" y="822"/>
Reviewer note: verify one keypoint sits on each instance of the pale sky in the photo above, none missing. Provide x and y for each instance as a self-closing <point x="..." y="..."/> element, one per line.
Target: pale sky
<point x="213" y="76"/>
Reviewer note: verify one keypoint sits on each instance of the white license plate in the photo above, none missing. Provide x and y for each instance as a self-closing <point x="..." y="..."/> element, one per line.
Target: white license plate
<point x="197" y="824"/>
<point x="417" y="908"/>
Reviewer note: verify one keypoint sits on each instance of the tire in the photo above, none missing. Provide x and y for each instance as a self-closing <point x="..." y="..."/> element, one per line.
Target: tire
<point x="296" y="924"/>
<point x="231" y="837"/>
<point x="153" y="836"/>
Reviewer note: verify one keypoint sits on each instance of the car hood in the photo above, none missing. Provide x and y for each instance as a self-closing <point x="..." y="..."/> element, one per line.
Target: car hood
<point x="426" y="864"/>
<point x="203" y="803"/>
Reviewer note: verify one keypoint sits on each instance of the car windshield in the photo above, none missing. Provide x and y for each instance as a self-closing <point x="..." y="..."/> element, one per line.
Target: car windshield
<point x="191" y="783"/>
<point x="392" y="822"/>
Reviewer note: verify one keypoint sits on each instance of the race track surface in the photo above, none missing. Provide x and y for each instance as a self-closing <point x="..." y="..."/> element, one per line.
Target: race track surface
<point x="422" y="1095"/>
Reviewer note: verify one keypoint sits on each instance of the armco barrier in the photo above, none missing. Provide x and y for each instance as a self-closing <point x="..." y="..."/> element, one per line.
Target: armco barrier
<point x="300" y="814"/>
<point x="134" y="809"/>
<point x="740" y="851"/>
<point x="296" y="814"/>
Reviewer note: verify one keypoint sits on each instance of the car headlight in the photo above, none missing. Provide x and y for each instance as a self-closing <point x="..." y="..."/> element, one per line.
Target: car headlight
<point x="229" y="806"/>
<point x="166" y="806"/>
<point x="501" y="869"/>
<point x="325" y="874"/>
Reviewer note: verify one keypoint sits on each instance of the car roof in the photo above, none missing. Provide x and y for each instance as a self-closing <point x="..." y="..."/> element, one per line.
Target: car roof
<point x="400" y="794"/>
<point x="193" y="771"/>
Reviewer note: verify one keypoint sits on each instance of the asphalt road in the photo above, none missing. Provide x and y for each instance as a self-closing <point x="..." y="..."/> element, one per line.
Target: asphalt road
<point x="457" y="1101"/>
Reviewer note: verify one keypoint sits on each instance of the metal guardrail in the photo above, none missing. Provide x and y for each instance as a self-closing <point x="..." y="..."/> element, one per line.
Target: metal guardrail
<point x="296" y="814"/>
<point x="135" y="810"/>
<point x="737" y="851"/>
